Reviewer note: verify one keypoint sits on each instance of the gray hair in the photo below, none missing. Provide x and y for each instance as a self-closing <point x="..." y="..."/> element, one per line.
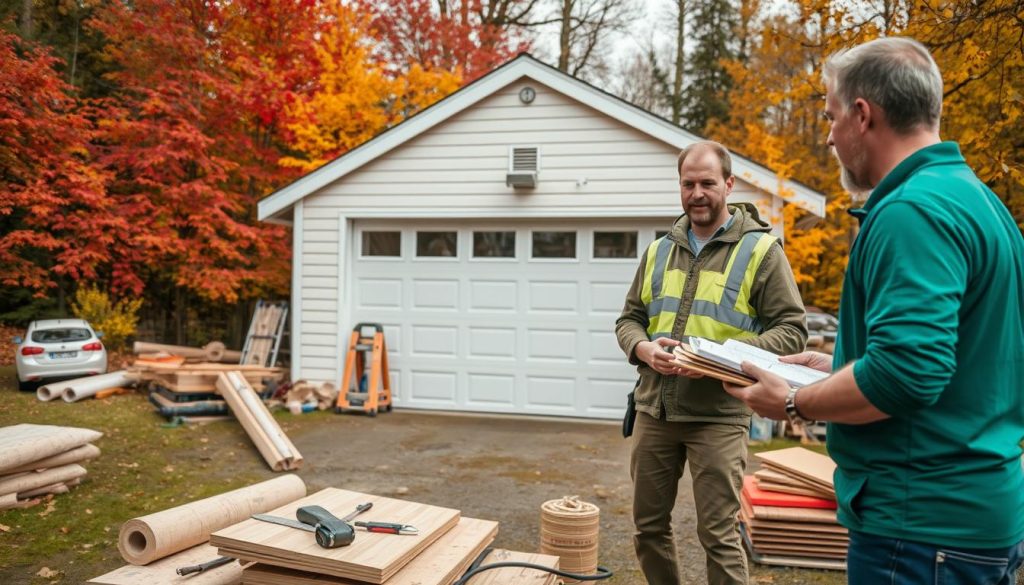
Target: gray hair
<point x="896" y="74"/>
<point x="720" y="151"/>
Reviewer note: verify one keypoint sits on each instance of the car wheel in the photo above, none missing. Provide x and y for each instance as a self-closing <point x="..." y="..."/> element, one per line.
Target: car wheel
<point x="27" y="386"/>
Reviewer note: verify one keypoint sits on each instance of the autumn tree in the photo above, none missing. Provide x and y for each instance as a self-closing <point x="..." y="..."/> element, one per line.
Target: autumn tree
<point x="466" y="37"/>
<point x="56" y="220"/>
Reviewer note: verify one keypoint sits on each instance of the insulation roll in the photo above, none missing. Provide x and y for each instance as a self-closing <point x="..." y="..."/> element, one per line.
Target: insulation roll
<point x="76" y="455"/>
<point x="570" y="530"/>
<point x="79" y="388"/>
<point x="148" y="538"/>
<point x="25" y="444"/>
<point x="31" y="480"/>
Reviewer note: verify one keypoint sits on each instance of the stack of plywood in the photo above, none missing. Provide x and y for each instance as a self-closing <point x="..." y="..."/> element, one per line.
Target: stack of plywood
<point x="36" y="460"/>
<point x="441" y="552"/>
<point x="788" y="511"/>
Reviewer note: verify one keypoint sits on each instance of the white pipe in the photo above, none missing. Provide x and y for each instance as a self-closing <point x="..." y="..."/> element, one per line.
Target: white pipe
<point x="49" y="392"/>
<point x="80" y="388"/>
<point x="259" y="411"/>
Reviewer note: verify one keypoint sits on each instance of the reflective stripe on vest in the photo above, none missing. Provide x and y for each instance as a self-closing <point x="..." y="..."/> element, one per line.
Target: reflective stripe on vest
<point x="721" y="308"/>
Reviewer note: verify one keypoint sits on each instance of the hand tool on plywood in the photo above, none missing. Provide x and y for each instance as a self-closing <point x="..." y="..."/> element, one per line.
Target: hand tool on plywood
<point x="329" y="530"/>
<point x="372" y="390"/>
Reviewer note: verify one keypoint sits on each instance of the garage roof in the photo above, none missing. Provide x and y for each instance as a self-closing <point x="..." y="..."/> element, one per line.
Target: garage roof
<point x="274" y="206"/>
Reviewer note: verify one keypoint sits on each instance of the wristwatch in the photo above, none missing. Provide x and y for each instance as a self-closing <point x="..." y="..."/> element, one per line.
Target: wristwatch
<point x="792" y="413"/>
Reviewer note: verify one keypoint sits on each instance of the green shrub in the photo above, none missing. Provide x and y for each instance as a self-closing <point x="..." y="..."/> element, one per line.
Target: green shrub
<point x="117" y="320"/>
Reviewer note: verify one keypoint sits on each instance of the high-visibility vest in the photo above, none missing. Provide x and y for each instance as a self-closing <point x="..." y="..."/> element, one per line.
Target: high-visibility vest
<point x="721" y="306"/>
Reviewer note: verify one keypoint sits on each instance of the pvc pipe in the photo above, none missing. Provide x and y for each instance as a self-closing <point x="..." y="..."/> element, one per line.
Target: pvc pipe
<point x="74" y="390"/>
<point x="48" y="392"/>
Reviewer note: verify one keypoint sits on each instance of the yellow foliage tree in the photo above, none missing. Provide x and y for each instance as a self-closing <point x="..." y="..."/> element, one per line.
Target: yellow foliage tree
<point x="776" y="105"/>
<point x="355" y="97"/>
<point x="117" y="320"/>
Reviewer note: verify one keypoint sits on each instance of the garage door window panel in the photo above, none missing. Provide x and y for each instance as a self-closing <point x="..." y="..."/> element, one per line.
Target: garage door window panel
<point x="615" y="245"/>
<point x="494" y="245"/>
<point x="382" y="244"/>
<point x="437" y="244"/>
<point x="553" y="245"/>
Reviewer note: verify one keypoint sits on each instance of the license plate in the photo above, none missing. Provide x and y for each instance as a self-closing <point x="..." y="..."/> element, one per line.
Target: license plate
<point x="58" y="355"/>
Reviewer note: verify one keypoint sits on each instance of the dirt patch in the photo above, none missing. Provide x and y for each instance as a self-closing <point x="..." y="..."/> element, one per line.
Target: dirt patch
<point x="497" y="468"/>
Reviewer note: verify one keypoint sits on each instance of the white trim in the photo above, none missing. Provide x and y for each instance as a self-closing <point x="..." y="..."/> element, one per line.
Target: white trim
<point x="296" y="305"/>
<point x="345" y="231"/>
<point x="527" y="66"/>
<point x="510" y="213"/>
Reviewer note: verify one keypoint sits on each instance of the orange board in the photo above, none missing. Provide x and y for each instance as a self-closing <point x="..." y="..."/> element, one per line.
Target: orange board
<point x="759" y="497"/>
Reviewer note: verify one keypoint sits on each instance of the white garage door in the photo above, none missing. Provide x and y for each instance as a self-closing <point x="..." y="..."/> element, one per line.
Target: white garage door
<point x="510" y="317"/>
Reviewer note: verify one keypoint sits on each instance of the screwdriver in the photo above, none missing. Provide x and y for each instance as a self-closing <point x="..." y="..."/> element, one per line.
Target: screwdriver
<point x="387" y="527"/>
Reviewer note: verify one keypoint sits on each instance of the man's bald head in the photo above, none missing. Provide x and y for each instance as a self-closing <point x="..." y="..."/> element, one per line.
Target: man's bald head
<point x="704" y="146"/>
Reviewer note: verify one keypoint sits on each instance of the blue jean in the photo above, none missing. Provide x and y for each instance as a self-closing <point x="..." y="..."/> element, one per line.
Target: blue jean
<point x="877" y="560"/>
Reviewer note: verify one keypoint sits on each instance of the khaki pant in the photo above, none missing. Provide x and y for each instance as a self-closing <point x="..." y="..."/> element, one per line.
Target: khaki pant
<point x="717" y="454"/>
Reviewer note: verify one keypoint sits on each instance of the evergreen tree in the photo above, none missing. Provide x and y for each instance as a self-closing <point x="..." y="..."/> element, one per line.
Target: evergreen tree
<point x="706" y="97"/>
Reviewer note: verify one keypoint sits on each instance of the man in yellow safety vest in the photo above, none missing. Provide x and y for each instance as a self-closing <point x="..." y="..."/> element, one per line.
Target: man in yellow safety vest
<point x="719" y="274"/>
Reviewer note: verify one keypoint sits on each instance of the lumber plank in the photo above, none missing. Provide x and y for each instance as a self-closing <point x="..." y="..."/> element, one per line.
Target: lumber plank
<point x="372" y="557"/>
<point x="271" y="441"/>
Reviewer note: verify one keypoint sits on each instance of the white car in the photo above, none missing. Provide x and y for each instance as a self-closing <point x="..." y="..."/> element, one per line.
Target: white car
<point x="58" y="349"/>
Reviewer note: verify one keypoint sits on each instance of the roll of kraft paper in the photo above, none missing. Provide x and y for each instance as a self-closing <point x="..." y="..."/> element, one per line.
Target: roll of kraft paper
<point x="148" y="538"/>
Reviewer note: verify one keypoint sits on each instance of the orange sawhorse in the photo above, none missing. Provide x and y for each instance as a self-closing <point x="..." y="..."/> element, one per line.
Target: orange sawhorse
<point x="372" y="389"/>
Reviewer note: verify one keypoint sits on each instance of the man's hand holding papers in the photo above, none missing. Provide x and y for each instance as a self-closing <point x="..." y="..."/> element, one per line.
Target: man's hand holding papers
<point x="725" y="362"/>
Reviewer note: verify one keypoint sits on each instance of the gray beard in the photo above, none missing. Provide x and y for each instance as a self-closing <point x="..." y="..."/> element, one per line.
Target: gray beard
<point x="858" y="193"/>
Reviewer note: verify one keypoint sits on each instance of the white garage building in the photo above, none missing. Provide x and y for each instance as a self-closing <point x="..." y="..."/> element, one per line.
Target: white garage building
<point x="494" y="298"/>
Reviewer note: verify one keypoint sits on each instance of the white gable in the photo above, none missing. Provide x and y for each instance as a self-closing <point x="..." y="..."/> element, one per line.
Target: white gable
<point x="592" y="145"/>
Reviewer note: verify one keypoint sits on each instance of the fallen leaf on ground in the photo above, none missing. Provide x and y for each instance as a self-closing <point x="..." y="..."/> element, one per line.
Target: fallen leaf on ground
<point x="4" y="528"/>
<point x="47" y="572"/>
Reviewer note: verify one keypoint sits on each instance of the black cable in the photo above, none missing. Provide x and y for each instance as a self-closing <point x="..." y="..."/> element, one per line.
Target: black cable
<point x="602" y="573"/>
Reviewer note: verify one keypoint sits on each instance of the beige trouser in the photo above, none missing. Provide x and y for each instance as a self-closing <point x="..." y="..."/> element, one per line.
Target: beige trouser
<point x="717" y="454"/>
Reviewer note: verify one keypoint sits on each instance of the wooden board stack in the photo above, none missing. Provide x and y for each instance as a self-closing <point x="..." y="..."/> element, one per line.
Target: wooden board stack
<point x="794" y="526"/>
<point x="372" y="557"/>
<point x="36" y="460"/>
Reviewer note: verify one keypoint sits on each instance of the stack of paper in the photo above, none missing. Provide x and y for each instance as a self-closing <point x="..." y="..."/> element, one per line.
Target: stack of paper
<point x="793" y="527"/>
<point x="723" y="361"/>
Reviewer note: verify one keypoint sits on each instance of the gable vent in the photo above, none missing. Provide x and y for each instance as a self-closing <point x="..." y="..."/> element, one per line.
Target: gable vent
<point x="523" y="164"/>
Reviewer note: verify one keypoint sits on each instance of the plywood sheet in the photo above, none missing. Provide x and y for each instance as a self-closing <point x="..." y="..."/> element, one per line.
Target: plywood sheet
<point x="785" y="560"/>
<point x="162" y="572"/>
<point x="441" y="563"/>
<point x="799" y="491"/>
<point x="516" y="575"/>
<point x="371" y="557"/>
<point x="25" y="443"/>
<point x="801" y="462"/>
<point x="756" y="514"/>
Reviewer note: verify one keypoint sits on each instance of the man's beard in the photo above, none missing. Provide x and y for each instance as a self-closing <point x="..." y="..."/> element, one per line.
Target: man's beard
<point x="859" y="190"/>
<point x="711" y="209"/>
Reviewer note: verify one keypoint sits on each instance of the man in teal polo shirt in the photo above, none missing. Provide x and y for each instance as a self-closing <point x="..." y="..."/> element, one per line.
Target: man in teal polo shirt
<point x="926" y="402"/>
